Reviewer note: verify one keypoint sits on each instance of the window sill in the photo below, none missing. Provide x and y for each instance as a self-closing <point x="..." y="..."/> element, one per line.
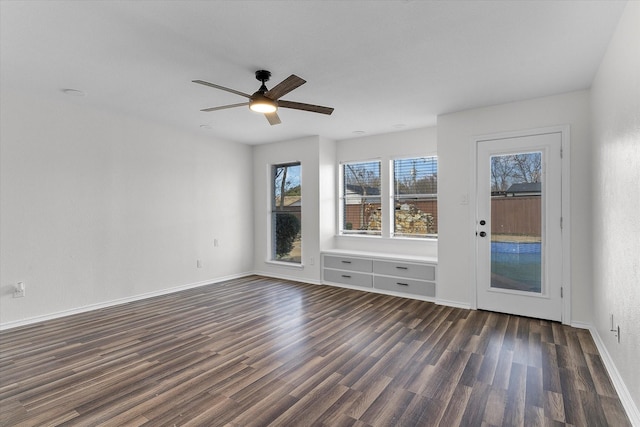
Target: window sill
<point x="291" y="265"/>
<point x="415" y="239"/>
<point x="360" y="236"/>
<point x="391" y="239"/>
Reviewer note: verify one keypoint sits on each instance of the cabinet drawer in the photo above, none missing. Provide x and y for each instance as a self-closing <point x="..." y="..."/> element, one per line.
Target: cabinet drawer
<point x="405" y="269"/>
<point x="348" y="278"/>
<point x="348" y="263"/>
<point x="407" y="286"/>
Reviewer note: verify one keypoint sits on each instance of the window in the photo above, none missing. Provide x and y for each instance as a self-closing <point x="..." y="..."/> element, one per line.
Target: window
<point x="286" y="213"/>
<point x="415" y="197"/>
<point x="360" y="201"/>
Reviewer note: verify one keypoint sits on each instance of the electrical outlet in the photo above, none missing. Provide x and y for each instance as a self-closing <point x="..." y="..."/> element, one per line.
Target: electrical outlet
<point x="19" y="291"/>
<point x="215" y="243"/>
<point x="312" y="260"/>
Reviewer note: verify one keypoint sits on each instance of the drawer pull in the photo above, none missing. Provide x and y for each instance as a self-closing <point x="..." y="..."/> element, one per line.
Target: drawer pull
<point x="401" y="268"/>
<point x="346" y="276"/>
<point x="402" y="284"/>
<point x="346" y="262"/>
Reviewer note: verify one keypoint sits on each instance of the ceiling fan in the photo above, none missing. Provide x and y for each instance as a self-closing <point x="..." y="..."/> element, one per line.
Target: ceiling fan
<point x="268" y="101"/>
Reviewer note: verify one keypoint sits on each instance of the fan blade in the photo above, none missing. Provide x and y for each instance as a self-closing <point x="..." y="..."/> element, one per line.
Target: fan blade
<point x="284" y="87"/>
<point x="224" y="107"/>
<point x="273" y="118"/>
<point x="237" y="92"/>
<point x="305" y="107"/>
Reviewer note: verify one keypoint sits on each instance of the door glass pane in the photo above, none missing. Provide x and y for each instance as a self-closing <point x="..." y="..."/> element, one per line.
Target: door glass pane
<point x="516" y="222"/>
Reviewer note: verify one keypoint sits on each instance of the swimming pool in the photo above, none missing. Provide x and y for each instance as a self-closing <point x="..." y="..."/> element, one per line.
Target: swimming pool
<point x="516" y="266"/>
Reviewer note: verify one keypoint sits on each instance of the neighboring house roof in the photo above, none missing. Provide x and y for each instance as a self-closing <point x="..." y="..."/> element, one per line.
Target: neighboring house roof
<point x="357" y="189"/>
<point x="292" y="201"/>
<point x="525" y="187"/>
<point x="289" y="201"/>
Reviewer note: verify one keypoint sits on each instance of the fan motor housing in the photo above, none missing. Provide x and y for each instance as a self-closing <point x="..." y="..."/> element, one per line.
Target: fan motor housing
<point x="263" y="75"/>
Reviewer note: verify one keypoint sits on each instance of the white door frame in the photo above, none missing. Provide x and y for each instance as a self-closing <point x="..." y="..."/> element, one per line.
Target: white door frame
<point x="564" y="130"/>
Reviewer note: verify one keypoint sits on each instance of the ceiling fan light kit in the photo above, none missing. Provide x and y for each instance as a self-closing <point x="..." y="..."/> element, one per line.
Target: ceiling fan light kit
<point x="261" y="104"/>
<point x="266" y="101"/>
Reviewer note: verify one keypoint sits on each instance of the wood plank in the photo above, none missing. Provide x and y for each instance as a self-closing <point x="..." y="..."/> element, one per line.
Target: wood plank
<point x="573" y="410"/>
<point x="476" y="405"/>
<point x="456" y="407"/>
<point x="514" y="412"/>
<point x="598" y="373"/>
<point x="554" y="406"/>
<point x="614" y="412"/>
<point x="496" y="403"/>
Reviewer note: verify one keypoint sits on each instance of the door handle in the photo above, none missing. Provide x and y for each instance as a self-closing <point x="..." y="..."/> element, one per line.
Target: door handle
<point x="483" y="222"/>
<point x="482" y="234"/>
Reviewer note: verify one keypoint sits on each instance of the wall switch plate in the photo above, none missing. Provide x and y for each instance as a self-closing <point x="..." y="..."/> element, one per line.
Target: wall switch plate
<point x="198" y="263"/>
<point x="19" y="290"/>
<point x="611" y="321"/>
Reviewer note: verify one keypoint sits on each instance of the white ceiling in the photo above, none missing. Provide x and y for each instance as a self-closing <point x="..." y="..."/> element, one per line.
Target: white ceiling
<point x="383" y="65"/>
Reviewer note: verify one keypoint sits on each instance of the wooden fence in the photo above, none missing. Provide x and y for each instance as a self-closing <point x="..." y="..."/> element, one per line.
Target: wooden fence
<point x="520" y="215"/>
<point x="509" y="215"/>
<point x="357" y="217"/>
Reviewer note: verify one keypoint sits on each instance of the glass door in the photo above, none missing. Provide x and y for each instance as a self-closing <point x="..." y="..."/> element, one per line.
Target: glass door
<point x="519" y="242"/>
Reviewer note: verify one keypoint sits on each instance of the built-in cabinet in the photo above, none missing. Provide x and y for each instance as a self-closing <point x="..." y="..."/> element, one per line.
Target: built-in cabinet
<point x="414" y="277"/>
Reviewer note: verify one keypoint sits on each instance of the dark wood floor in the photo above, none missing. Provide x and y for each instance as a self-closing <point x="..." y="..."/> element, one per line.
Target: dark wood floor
<point x="259" y="351"/>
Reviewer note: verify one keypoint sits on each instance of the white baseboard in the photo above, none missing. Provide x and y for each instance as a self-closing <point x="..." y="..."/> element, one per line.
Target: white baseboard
<point x="454" y="304"/>
<point x="618" y="383"/>
<point x="286" y="277"/>
<point x="581" y="325"/>
<point x="91" y="307"/>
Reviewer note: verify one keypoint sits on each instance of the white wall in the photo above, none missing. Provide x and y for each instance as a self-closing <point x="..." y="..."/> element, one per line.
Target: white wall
<point x="98" y="207"/>
<point x="615" y="118"/>
<point x="386" y="147"/>
<point x="455" y="142"/>
<point x="316" y="156"/>
<point x="327" y="197"/>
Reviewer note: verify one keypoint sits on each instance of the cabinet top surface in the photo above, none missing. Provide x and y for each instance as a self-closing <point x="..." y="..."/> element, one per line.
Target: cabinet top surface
<point x="381" y="255"/>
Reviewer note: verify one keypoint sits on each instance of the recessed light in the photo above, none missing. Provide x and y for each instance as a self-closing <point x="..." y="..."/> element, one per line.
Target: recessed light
<point x="73" y="92"/>
<point x="399" y="126"/>
<point x="206" y="126"/>
<point x="359" y="132"/>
